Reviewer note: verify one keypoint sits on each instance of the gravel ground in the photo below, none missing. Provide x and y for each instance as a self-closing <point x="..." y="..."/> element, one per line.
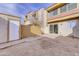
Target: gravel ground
<point x="44" y="46"/>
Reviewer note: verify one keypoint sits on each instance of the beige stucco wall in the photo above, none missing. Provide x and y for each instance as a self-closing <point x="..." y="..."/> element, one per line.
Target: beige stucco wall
<point x="25" y="31"/>
<point x="64" y="29"/>
<point x="76" y="30"/>
<point x="42" y="18"/>
<point x="35" y="29"/>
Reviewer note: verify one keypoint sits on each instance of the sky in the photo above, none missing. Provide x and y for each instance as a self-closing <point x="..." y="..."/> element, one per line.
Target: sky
<point x="21" y="9"/>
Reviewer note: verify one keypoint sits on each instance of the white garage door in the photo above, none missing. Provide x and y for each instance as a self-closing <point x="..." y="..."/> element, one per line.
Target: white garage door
<point x="3" y="30"/>
<point x="13" y="30"/>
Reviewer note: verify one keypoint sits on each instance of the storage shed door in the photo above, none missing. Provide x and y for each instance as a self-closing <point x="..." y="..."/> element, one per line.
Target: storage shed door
<point x="3" y="30"/>
<point x="13" y="30"/>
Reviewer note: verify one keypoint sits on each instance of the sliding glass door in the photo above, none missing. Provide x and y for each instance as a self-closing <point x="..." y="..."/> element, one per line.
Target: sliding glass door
<point x="56" y="28"/>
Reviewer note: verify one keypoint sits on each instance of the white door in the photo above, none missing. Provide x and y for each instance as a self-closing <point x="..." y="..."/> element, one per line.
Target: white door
<point x="3" y="30"/>
<point x="13" y="30"/>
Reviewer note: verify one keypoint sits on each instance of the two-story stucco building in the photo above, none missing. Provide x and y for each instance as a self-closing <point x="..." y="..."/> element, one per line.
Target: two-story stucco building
<point x="63" y="19"/>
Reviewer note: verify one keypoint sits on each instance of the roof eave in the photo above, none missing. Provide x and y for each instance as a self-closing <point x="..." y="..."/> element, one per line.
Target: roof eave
<point x="55" y="6"/>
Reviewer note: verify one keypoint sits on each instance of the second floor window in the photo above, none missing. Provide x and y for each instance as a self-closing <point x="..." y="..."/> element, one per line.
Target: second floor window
<point x="55" y="12"/>
<point x="72" y="6"/>
<point x="63" y="9"/>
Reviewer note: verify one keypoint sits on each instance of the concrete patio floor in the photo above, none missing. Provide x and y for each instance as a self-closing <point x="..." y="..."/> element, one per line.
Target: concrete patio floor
<point x="44" y="46"/>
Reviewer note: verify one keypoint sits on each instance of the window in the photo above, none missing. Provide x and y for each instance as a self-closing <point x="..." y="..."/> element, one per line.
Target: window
<point x="54" y="28"/>
<point x="51" y="28"/>
<point x="50" y="14"/>
<point x="55" y="12"/>
<point x="72" y="6"/>
<point x="63" y="9"/>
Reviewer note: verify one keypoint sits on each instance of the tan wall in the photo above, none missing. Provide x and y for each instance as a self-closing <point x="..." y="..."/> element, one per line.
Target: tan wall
<point x="29" y="31"/>
<point x="25" y="30"/>
<point x="35" y="29"/>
